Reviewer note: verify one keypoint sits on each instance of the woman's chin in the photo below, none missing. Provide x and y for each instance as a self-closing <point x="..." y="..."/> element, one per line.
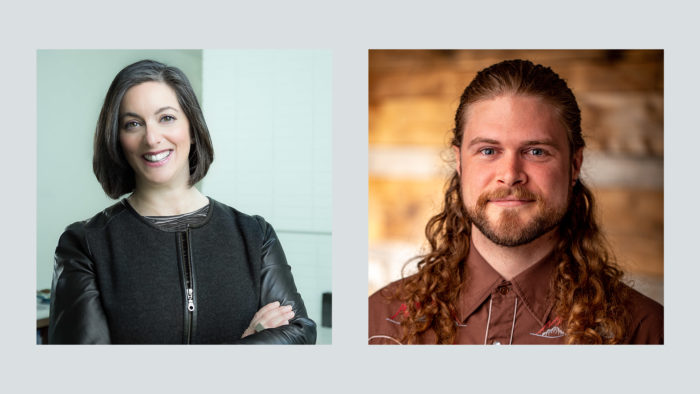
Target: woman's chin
<point x="160" y="180"/>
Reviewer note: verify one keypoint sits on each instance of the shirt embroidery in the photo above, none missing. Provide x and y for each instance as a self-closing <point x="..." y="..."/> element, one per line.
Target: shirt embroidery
<point x="403" y="308"/>
<point x="550" y="329"/>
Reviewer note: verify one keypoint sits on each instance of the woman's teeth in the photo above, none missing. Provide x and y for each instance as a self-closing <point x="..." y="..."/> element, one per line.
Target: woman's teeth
<point x="157" y="157"/>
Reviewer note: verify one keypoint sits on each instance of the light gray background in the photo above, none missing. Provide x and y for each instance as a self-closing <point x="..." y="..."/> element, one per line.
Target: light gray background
<point x="348" y="29"/>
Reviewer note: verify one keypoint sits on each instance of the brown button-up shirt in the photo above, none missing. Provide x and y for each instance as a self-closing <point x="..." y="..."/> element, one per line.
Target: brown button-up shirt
<point x="495" y="311"/>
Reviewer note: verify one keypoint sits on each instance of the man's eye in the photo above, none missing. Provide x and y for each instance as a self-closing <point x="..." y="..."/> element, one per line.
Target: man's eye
<point x="487" y="151"/>
<point x="537" y="152"/>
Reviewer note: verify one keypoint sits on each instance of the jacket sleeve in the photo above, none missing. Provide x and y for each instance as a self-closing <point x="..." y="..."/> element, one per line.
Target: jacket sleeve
<point x="76" y="314"/>
<point x="277" y="284"/>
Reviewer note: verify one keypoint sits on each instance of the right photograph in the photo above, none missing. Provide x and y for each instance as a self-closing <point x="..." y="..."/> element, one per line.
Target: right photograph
<point x="516" y="197"/>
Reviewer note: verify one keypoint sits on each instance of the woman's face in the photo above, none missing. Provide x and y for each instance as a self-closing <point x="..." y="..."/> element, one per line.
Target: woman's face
<point x="155" y="135"/>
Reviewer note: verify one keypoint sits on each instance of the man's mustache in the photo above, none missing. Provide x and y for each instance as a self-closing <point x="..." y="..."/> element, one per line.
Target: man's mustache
<point x="516" y="192"/>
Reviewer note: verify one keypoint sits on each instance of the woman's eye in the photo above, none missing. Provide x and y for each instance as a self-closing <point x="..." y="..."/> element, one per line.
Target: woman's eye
<point x="167" y="118"/>
<point x="131" y="124"/>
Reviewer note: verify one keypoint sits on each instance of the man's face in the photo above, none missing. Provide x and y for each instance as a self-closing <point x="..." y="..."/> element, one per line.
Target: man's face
<point x="516" y="169"/>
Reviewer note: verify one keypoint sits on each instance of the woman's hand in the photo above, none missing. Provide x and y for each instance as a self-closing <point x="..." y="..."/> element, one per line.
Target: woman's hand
<point x="270" y="316"/>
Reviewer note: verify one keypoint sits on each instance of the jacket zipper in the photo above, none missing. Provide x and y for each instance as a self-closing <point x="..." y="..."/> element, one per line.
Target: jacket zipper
<point x="189" y="284"/>
<point x="190" y="300"/>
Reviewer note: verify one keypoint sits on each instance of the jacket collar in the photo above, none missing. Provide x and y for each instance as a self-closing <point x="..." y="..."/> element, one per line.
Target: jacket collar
<point x="532" y="286"/>
<point x="125" y="204"/>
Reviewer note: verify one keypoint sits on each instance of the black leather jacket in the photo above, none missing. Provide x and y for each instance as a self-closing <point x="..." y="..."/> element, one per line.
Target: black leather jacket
<point x="119" y="279"/>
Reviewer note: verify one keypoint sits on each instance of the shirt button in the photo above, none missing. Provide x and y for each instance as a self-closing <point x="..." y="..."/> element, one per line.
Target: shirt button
<point x="503" y="290"/>
<point x="496" y="343"/>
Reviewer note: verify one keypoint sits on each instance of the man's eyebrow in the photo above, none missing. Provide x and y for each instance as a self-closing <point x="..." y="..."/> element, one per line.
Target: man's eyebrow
<point x="548" y="142"/>
<point x="480" y="140"/>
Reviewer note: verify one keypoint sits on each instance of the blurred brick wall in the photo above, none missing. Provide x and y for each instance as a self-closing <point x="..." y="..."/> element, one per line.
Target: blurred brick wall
<point x="413" y="96"/>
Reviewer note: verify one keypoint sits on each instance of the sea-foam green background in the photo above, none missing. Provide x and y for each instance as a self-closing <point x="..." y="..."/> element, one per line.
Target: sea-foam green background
<point x="269" y="115"/>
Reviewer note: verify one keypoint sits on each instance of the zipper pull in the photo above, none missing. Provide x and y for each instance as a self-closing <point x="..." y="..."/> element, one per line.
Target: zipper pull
<point x="190" y="301"/>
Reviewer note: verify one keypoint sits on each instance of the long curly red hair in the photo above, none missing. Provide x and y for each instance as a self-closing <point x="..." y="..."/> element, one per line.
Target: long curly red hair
<point x="586" y="286"/>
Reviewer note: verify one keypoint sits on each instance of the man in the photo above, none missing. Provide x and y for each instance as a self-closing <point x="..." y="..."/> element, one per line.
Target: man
<point x="516" y="256"/>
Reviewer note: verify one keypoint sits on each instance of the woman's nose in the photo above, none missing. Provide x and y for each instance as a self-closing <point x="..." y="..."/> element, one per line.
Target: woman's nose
<point x="511" y="171"/>
<point x="153" y="136"/>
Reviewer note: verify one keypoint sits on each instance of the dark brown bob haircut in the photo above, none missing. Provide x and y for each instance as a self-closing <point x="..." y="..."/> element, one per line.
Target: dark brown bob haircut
<point x="109" y="164"/>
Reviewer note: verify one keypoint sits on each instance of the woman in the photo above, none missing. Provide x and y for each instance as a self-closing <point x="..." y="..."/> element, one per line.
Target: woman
<point x="167" y="264"/>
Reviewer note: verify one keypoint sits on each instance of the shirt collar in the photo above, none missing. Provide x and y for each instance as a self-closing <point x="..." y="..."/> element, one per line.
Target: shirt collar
<point x="531" y="285"/>
<point x="480" y="280"/>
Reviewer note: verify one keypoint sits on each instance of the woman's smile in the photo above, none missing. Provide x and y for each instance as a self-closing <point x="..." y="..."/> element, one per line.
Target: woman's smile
<point x="157" y="159"/>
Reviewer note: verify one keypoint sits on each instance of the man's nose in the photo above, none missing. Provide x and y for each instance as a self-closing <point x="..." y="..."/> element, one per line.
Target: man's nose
<point x="511" y="170"/>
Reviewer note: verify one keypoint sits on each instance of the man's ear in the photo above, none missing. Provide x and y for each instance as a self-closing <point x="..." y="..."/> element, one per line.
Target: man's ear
<point x="576" y="163"/>
<point x="458" y="158"/>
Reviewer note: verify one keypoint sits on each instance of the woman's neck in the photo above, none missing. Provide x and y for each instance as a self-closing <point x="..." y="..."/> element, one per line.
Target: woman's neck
<point x="167" y="202"/>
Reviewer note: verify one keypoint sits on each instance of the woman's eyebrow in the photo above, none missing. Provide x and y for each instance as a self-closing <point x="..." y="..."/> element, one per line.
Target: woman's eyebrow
<point x="165" y="108"/>
<point x="125" y="114"/>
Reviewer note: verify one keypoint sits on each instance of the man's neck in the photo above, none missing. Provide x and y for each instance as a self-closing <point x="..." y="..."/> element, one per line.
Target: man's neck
<point x="510" y="261"/>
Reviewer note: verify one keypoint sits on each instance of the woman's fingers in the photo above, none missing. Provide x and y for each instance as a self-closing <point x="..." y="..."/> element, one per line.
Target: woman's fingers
<point x="265" y="309"/>
<point x="279" y="319"/>
<point x="276" y="317"/>
<point x="269" y="316"/>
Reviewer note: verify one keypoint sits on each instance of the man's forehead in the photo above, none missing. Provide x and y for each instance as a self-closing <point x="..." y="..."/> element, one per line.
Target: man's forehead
<point x="508" y="119"/>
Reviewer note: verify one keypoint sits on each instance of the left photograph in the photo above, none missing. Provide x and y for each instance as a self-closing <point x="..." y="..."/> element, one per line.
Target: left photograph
<point x="184" y="196"/>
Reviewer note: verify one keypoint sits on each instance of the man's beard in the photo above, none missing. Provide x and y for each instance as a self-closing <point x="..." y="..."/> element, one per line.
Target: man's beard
<point x="508" y="229"/>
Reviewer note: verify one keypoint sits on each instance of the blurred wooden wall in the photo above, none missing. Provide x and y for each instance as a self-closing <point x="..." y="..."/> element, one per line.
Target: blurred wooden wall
<point x="413" y="95"/>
